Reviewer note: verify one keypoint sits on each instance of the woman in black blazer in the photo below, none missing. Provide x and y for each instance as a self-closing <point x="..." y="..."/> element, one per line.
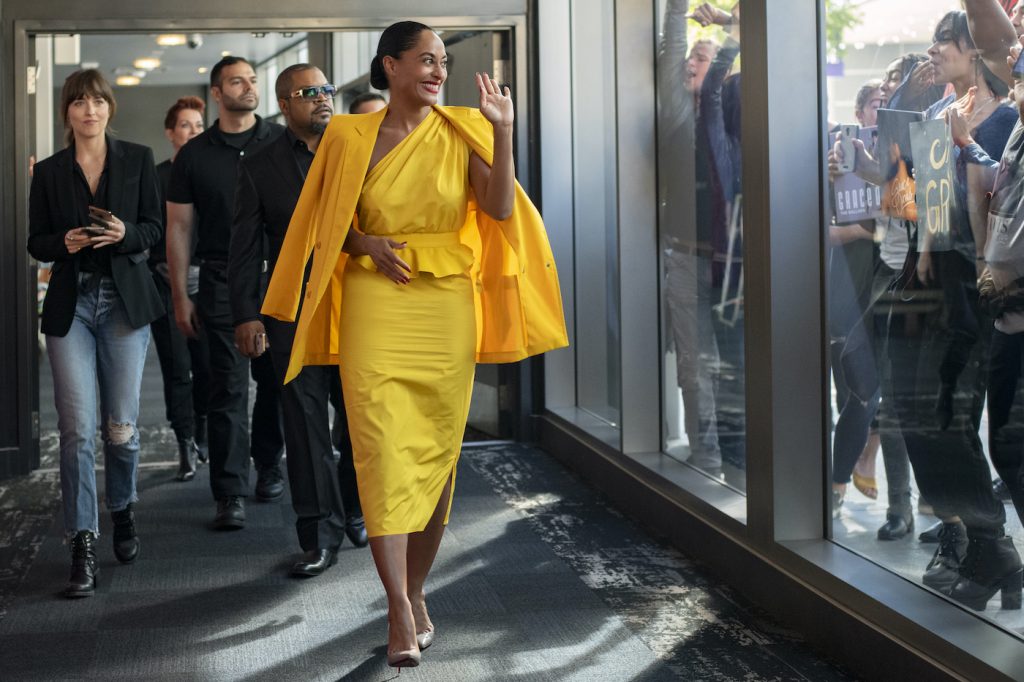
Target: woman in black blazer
<point x="94" y="210"/>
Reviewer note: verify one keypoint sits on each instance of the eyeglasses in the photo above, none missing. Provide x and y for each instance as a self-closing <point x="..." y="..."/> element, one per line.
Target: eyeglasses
<point x="314" y="91"/>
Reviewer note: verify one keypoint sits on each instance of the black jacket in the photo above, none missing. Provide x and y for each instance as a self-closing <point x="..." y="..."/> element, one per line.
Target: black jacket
<point x="133" y="197"/>
<point x="269" y="184"/>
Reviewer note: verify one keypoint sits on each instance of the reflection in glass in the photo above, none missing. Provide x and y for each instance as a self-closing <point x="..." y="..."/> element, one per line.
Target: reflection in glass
<point x="596" y="208"/>
<point x="922" y="320"/>
<point x="700" y="224"/>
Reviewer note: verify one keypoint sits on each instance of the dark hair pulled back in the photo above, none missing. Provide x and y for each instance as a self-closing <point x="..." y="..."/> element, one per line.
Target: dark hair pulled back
<point x="396" y="39"/>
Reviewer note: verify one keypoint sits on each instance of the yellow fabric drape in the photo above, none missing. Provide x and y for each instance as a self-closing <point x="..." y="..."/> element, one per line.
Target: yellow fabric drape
<point x="517" y="297"/>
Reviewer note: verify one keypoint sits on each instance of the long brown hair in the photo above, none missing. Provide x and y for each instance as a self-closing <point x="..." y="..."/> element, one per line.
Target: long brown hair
<point x="84" y="83"/>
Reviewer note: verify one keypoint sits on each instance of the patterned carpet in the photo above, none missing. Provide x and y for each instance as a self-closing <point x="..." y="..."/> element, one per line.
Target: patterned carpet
<point x="537" y="579"/>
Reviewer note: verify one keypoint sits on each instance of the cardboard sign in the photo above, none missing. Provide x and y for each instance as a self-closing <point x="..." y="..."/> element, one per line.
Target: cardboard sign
<point x="935" y="173"/>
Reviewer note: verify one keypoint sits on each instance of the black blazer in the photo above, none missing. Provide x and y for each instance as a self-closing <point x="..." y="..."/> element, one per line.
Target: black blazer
<point x="133" y="197"/>
<point x="269" y="184"/>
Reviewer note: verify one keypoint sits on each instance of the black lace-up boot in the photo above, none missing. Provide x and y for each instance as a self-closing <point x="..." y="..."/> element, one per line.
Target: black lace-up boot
<point x="82" y="582"/>
<point x="943" y="570"/>
<point x="126" y="541"/>
<point x="991" y="565"/>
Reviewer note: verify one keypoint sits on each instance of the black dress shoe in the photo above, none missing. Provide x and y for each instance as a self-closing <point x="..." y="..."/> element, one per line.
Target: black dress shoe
<point x="84" y="570"/>
<point x="126" y="540"/>
<point x="931" y="533"/>
<point x="200" y="438"/>
<point x="230" y="513"/>
<point x="991" y="565"/>
<point x="269" y="484"/>
<point x="315" y="562"/>
<point x="188" y="457"/>
<point x="355" y="530"/>
<point x="895" y="527"/>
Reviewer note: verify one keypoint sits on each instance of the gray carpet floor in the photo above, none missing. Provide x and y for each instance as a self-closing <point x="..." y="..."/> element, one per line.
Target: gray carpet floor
<point x="537" y="578"/>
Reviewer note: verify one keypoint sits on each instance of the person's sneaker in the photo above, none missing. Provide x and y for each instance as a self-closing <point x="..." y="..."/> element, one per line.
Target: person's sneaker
<point x="1001" y="490"/>
<point x="230" y="513"/>
<point x="269" y="484"/>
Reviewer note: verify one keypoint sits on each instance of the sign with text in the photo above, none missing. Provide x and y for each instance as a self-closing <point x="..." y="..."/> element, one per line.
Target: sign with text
<point x="854" y="199"/>
<point x="935" y="173"/>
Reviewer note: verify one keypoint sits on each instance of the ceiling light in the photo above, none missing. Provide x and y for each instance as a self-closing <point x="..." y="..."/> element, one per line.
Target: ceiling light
<point x="202" y="69"/>
<point x="225" y="53"/>
<point x="171" y="39"/>
<point x="128" y="81"/>
<point x="147" y="63"/>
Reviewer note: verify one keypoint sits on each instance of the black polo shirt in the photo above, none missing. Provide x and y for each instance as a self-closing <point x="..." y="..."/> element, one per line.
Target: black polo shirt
<point x="204" y="174"/>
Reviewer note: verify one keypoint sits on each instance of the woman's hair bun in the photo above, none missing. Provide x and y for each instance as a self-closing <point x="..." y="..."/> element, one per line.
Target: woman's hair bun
<point x="378" y="79"/>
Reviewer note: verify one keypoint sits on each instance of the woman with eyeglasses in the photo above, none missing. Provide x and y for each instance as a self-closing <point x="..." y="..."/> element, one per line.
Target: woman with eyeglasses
<point x="446" y="264"/>
<point x="94" y="210"/>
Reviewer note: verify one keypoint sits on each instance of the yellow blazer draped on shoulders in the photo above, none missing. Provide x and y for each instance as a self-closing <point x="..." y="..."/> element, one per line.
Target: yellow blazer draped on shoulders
<point x="516" y="292"/>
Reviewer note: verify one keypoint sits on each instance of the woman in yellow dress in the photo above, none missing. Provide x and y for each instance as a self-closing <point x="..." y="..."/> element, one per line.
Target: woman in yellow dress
<point x="446" y="264"/>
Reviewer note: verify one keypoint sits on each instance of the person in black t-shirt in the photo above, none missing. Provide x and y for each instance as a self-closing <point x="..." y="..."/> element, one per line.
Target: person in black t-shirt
<point x="201" y="196"/>
<point x="184" y="362"/>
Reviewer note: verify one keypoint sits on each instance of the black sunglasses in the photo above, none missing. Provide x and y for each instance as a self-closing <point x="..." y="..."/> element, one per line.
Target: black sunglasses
<point x="314" y="91"/>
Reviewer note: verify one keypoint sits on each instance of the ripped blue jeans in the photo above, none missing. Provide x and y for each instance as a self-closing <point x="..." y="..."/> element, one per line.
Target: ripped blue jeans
<point x="101" y="349"/>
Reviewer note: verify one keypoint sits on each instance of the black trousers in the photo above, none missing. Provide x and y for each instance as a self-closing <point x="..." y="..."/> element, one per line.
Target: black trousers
<point x="228" y="416"/>
<point x="322" y="487"/>
<point x="1006" y="414"/>
<point x="940" y="370"/>
<point x="267" y="442"/>
<point x="343" y="450"/>
<point x="185" y="366"/>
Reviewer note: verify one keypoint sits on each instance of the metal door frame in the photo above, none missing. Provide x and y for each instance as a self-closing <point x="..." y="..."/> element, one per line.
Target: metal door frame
<point x="22" y="454"/>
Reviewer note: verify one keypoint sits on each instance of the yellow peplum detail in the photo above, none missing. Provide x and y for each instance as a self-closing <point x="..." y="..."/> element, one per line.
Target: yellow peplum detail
<point x="439" y="253"/>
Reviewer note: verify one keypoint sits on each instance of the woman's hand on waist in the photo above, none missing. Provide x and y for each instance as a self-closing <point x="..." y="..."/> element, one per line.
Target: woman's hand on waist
<point x="381" y="251"/>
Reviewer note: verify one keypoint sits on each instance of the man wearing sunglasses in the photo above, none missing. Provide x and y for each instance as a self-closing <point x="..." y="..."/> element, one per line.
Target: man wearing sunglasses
<point x="323" y="491"/>
<point x="202" y="193"/>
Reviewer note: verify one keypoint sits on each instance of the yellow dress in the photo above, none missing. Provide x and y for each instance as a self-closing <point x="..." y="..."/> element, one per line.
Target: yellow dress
<point x="408" y="352"/>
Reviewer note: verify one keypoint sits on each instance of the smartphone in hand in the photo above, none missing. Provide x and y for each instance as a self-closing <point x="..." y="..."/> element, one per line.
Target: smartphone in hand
<point x="849" y="134"/>
<point x="1018" y="67"/>
<point x="101" y="217"/>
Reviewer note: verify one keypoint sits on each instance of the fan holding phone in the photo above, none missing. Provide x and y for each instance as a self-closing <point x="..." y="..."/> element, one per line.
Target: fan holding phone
<point x="105" y="229"/>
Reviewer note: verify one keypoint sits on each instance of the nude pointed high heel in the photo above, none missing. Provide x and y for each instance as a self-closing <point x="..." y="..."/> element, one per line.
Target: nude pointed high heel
<point x="405" y="658"/>
<point x="425" y="639"/>
<point x="409" y="658"/>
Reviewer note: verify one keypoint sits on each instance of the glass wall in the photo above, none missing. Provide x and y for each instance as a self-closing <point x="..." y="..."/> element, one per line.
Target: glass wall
<point x="596" y="210"/>
<point x="701" y="237"/>
<point x="925" y="315"/>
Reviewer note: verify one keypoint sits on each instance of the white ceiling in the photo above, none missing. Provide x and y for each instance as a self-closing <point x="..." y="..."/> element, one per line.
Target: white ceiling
<point x="179" y="64"/>
<point x="897" y="21"/>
